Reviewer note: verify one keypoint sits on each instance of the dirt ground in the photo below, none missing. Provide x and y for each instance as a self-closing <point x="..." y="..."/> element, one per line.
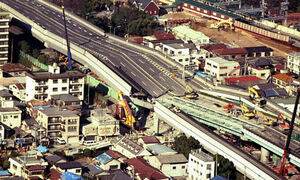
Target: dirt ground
<point x="237" y="38"/>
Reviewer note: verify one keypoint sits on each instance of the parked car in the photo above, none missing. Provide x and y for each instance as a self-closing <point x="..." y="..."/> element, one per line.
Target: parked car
<point x="60" y="141"/>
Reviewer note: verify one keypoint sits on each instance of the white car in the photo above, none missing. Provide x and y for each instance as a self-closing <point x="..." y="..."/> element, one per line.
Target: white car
<point x="60" y="141"/>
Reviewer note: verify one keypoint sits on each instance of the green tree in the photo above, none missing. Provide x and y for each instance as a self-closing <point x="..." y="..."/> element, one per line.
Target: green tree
<point x="35" y="53"/>
<point x="24" y="46"/>
<point x="45" y="59"/>
<point x="87" y="152"/>
<point x="6" y="164"/>
<point x="184" y="145"/>
<point x="225" y="167"/>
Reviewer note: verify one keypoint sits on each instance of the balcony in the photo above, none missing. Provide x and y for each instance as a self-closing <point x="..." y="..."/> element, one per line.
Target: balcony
<point x="75" y="90"/>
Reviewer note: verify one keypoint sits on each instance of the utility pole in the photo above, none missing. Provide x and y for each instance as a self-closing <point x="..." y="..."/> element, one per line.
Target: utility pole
<point x="284" y="7"/>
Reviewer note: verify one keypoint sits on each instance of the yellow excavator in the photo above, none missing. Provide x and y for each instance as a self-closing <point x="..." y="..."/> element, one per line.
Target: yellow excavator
<point x="221" y="25"/>
<point x="190" y="93"/>
<point x="256" y="97"/>
<point x="266" y="121"/>
<point x="246" y="112"/>
<point x="130" y="120"/>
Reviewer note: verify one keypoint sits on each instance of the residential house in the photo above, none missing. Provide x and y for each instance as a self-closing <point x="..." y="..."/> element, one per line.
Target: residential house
<point x="187" y="34"/>
<point x="5" y="96"/>
<point x="158" y="44"/>
<point x="283" y="81"/>
<point x="171" y="165"/>
<point x="200" y="166"/>
<point x="159" y="149"/>
<point x="140" y="169"/>
<point x="231" y="53"/>
<point x="65" y="100"/>
<point x="14" y="69"/>
<point x="148" y="6"/>
<point x="244" y="82"/>
<point x="116" y="155"/>
<point x="221" y="68"/>
<point x="18" y="90"/>
<point x="106" y="162"/>
<point x="71" y="166"/>
<point x="164" y="36"/>
<point x="55" y="159"/>
<point x="93" y="171"/>
<point x="147" y="141"/>
<point x="262" y="68"/>
<point x="59" y="122"/>
<point x="129" y="148"/>
<point x="42" y="85"/>
<point x="259" y="51"/>
<point x="293" y="62"/>
<point x="10" y="116"/>
<point x="27" y="166"/>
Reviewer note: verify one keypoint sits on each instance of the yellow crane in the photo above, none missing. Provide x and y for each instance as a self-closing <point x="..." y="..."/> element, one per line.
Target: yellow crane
<point x="130" y="120"/>
<point x="253" y="94"/>
<point x="246" y="112"/>
<point x="221" y="24"/>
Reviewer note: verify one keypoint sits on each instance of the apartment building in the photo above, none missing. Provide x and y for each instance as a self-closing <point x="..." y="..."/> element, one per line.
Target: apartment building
<point x="4" y="26"/>
<point x="293" y="62"/>
<point x="42" y="85"/>
<point x="18" y="90"/>
<point x="59" y="123"/>
<point x="201" y="166"/>
<point x="9" y="115"/>
<point x="221" y="68"/>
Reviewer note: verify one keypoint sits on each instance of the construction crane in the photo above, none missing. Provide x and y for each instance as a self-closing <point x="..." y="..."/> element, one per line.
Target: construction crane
<point x="246" y="112"/>
<point x="266" y="121"/>
<point x="253" y="94"/>
<point x="285" y="125"/>
<point x="288" y="140"/>
<point x="130" y="120"/>
<point x="190" y="93"/>
<point x="63" y="59"/>
<point x="69" y="62"/>
<point x="221" y="24"/>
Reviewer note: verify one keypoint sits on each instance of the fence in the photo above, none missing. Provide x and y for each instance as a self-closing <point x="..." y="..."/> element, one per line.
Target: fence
<point x="34" y="61"/>
<point x="90" y="80"/>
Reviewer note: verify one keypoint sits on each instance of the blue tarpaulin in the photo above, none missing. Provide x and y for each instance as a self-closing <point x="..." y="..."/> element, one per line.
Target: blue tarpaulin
<point x="42" y="149"/>
<point x="4" y="173"/>
<point x="104" y="158"/>
<point x="70" y="176"/>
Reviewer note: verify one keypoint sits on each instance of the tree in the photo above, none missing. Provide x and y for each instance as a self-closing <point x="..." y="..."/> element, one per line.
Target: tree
<point x="24" y="46"/>
<point x="45" y="59"/>
<point x="184" y="145"/>
<point x="225" y="167"/>
<point x="87" y="152"/>
<point x="35" y="53"/>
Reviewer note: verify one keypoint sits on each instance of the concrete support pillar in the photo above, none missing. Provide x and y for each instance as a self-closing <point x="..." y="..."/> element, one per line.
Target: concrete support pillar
<point x="156" y="123"/>
<point x="265" y="155"/>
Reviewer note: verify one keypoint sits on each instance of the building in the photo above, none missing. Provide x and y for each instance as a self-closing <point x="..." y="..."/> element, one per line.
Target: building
<point x="55" y="159"/>
<point x="42" y="85"/>
<point x="71" y="166"/>
<point x="14" y="69"/>
<point x="4" y="26"/>
<point x="259" y="51"/>
<point x="283" y="81"/>
<point x="129" y="148"/>
<point x="159" y="149"/>
<point x="106" y="162"/>
<point x="148" y="141"/>
<point x="65" y="100"/>
<point x="201" y="166"/>
<point x="187" y="34"/>
<point x="27" y="166"/>
<point x="293" y="62"/>
<point x="10" y="116"/>
<point x="231" y="53"/>
<point x="221" y="68"/>
<point x="59" y="123"/>
<point x="18" y="90"/>
<point x="171" y="165"/>
<point x="261" y="68"/>
<point x="148" y="6"/>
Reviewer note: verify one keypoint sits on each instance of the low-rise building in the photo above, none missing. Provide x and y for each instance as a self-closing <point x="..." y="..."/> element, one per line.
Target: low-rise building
<point x="71" y="166"/>
<point x="18" y="90"/>
<point x="201" y="166"/>
<point x="221" y="68"/>
<point x="159" y="149"/>
<point x="148" y="141"/>
<point x="42" y="85"/>
<point x="148" y="6"/>
<point x="55" y="159"/>
<point x="261" y="68"/>
<point x="106" y="162"/>
<point x="293" y="62"/>
<point x="14" y="69"/>
<point x="65" y="100"/>
<point x="59" y="123"/>
<point x="10" y="116"/>
<point x="187" y="34"/>
<point x="259" y="51"/>
<point x="231" y="53"/>
<point x="171" y="165"/>
<point x="283" y="81"/>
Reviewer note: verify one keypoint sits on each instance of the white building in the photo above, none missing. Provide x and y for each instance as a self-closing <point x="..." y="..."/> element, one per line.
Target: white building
<point x="4" y="26"/>
<point x="221" y="68"/>
<point x="42" y="85"/>
<point x="10" y="117"/>
<point x="18" y="90"/>
<point x="187" y="34"/>
<point x="2" y="132"/>
<point x="293" y="62"/>
<point x="201" y="166"/>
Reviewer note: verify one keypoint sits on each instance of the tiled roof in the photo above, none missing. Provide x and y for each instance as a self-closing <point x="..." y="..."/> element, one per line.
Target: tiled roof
<point x="230" y="51"/>
<point x="212" y="47"/>
<point x="164" y="36"/>
<point x="114" y="154"/>
<point x="144" y="169"/>
<point x="53" y="158"/>
<point x="160" y="149"/>
<point x="54" y="174"/>
<point x="283" y="77"/>
<point x="242" y="79"/>
<point x="150" y="139"/>
<point x="258" y="49"/>
<point x="21" y="86"/>
<point x="35" y="168"/>
<point x="130" y="146"/>
<point x="65" y="97"/>
<point x="5" y="93"/>
<point x="170" y="159"/>
<point x="69" y="165"/>
<point x="13" y="67"/>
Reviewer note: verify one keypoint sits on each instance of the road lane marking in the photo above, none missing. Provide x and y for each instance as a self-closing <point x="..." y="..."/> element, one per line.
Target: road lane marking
<point x="133" y="73"/>
<point x="144" y="83"/>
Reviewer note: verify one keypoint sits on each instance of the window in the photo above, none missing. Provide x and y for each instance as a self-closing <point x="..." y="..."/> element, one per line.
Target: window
<point x="208" y="176"/>
<point x="215" y="66"/>
<point x="233" y="56"/>
<point x="16" y="116"/>
<point x="180" y="60"/>
<point x="14" y="166"/>
<point x="78" y="170"/>
<point x="63" y="88"/>
<point x="182" y="167"/>
<point x="174" y="167"/>
<point x="54" y="89"/>
<point x="208" y="64"/>
<point x="72" y="128"/>
<point x="209" y="167"/>
<point x="55" y="81"/>
<point x="192" y="7"/>
<point x="64" y="81"/>
<point x="224" y="67"/>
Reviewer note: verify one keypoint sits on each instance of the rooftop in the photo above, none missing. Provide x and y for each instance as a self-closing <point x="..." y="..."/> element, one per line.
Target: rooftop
<point x="283" y="77"/>
<point x="55" y="111"/>
<point x="160" y="149"/>
<point x="44" y="75"/>
<point x="258" y="49"/>
<point x="202" y="155"/>
<point x="187" y="31"/>
<point x="52" y="159"/>
<point x="220" y="60"/>
<point x="13" y="67"/>
<point x="104" y="158"/>
<point x="150" y="139"/>
<point x="130" y="146"/>
<point x="5" y="93"/>
<point x="242" y="79"/>
<point x="65" y="97"/>
<point x="35" y="168"/>
<point x="93" y="169"/>
<point x="69" y="165"/>
<point x="172" y="159"/>
<point x="114" y="154"/>
<point x="295" y="54"/>
<point x="230" y="51"/>
<point x="163" y="36"/>
<point x="21" y="86"/>
<point x="14" y="109"/>
<point x="212" y="47"/>
<point x="28" y="159"/>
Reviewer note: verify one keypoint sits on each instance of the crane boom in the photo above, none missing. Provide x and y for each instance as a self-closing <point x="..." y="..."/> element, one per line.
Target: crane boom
<point x="130" y="120"/>
<point x="69" y="64"/>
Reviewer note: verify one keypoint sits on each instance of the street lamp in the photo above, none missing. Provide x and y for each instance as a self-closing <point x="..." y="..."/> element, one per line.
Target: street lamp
<point x="115" y="29"/>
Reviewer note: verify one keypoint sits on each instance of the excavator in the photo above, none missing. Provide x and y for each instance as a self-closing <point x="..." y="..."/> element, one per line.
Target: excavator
<point x="246" y="112"/>
<point x="221" y="25"/>
<point x="190" y="93"/>
<point x="266" y="121"/>
<point x="229" y="107"/>
<point x="253" y="94"/>
<point x="285" y="126"/>
<point x="129" y="120"/>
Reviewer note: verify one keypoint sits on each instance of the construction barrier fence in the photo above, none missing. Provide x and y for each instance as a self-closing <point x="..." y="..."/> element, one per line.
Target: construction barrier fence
<point x="91" y="81"/>
<point x="34" y="61"/>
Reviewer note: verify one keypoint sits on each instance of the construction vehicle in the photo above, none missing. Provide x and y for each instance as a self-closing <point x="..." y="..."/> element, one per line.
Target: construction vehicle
<point x="69" y="62"/>
<point x="190" y="93"/>
<point x="63" y="59"/>
<point x="229" y="107"/>
<point x="129" y="120"/>
<point x="221" y="25"/>
<point x="284" y="125"/>
<point x="266" y="121"/>
<point x="253" y="94"/>
<point x="246" y="112"/>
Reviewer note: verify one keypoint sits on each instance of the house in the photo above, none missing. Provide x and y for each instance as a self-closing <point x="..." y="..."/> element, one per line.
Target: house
<point x="93" y="171"/>
<point x="42" y="85"/>
<point x="221" y="68"/>
<point x="262" y="68"/>
<point x="244" y="82"/>
<point x="106" y="162"/>
<point x="283" y="81"/>
<point x="159" y="149"/>
<point x="14" y="69"/>
<point x="293" y="62"/>
<point x="18" y="90"/>
<point x="71" y="166"/>
<point x="59" y="122"/>
<point x="116" y="155"/>
<point x="5" y="96"/>
<point x="54" y="174"/>
<point x="174" y="165"/>
<point x="142" y="170"/>
<point x="65" y="100"/>
<point x="147" y="141"/>
<point x="259" y="51"/>
<point x="164" y="36"/>
<point x="27" y="166"/>
<point x="115" y="175"/>
<point x="158" y="44"/>
<point x="55" y="159"/>
<point x="230" y="53"/>
<point x="187" y="34"/>
<point x="200" y="166"/>
<point x="129" y="148"/>
<point x="10" y="116"/>
<point x="148" y="6"/>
